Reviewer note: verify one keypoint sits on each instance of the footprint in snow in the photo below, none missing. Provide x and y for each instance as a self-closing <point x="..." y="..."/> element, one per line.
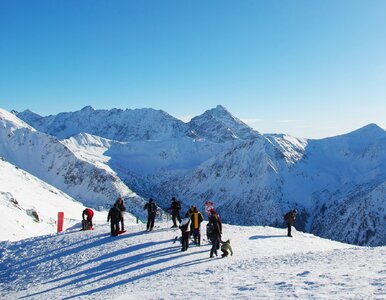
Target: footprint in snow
<point x="305" y="273"/>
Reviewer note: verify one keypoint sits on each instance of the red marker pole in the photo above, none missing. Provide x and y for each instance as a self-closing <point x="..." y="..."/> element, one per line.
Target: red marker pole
<point x="60" y="221"/>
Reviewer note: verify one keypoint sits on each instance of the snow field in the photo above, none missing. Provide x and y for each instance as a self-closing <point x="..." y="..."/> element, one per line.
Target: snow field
<point x="139" y="265"/>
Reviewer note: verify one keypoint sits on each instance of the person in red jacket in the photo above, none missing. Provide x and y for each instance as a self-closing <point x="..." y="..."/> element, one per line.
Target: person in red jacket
<point x="87" y="216"/>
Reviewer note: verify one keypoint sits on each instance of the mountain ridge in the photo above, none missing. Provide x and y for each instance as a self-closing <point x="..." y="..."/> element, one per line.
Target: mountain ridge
<point x="252" y="178"/>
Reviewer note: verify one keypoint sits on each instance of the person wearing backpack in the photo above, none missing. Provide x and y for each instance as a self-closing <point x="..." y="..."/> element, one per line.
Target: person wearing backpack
<point x="87" y="216"/>
<point x="185" y="232"/>
<point x="196" y="218"/>
<point x="290" y="218"/>
<point x="122" y="209"/>
<point x="114" y="217"/>
<point x="175" y="208"/>
<point x="151" y="213"/>
<point x="215" y="231"/>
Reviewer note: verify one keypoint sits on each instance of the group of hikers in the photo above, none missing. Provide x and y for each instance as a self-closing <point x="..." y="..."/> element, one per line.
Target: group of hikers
<point x="190" y="225"/>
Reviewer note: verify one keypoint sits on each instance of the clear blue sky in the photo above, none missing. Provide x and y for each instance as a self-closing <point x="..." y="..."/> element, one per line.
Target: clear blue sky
<point x="307" y="68"/>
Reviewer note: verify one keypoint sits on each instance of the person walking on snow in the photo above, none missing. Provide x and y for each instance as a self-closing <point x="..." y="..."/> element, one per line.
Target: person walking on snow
<point x="175" y="208"/>
<point x="185" y="229"/>
<point x="290" y="218"/>
<point x="114" y="217"/>
<point x="215" y="231"/>
<point x="122" y="209"/>
<point x="188" y="214"/>
<point x="87" y="216"/>
<point x="196" y="218"/>
<point x="151" y="213"/>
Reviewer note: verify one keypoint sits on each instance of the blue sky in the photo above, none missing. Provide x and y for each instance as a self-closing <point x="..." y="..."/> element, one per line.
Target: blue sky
<point x="307" y="68"/>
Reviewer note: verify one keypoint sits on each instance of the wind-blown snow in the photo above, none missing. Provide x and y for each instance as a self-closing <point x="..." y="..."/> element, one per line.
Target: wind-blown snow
<point x="266" y="265"/>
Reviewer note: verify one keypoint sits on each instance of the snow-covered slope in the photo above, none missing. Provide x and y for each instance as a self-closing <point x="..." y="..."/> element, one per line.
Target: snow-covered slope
<point x="137" y="265"/>
<point x="51" y="161"/>
<point x="255" y="182"/>
<point x="29" y="206"/>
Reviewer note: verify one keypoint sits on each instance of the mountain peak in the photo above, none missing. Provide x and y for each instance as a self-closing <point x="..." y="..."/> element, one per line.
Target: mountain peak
<point x="369" y="131"/>
<point x="219" y="111"/>
<point x="88" y="108"/>
<point x="219" y="125"/>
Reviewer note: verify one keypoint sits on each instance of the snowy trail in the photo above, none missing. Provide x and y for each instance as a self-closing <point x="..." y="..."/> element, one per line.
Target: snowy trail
<point x="139" y="265"/>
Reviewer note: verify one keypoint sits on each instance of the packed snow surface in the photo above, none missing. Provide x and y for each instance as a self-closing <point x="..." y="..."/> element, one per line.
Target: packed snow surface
<point x="138" y="265"/>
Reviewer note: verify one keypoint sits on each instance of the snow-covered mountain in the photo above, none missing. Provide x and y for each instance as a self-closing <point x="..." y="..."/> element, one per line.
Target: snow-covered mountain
<point x="115" y="124"/>
<point x="258" y="181"/>
<point x="253" y="179"/>
<point x="219" y="125"/>
<point x="29" y="206"/>
<point x="50" y="160"/>
<point x="138" y="265"/>
<point x="216" y="125"/>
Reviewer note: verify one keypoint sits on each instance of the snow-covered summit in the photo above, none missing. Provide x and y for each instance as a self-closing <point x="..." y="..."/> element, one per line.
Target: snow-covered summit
<point x="219" y="125"/>
<point x="216" y="125"/>
<point x="114" y="124"/>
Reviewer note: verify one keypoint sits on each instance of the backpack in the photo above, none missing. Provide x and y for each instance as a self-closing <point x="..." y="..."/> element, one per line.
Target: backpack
<point x="210" y="231"/>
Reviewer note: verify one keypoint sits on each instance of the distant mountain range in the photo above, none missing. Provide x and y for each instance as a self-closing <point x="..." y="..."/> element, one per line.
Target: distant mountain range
<point x="337" y="184"/>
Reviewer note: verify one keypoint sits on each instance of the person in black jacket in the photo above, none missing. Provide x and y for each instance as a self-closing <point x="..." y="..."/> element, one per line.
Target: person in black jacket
<point x="216" y="231"/>
<point x="185" y="228"/>
<point x="122" y="209"/>
<point x="175" y="207"/>
<point x="151" y="213"/>
<point x="114" y="217"/>
<point x="290" y="218"/>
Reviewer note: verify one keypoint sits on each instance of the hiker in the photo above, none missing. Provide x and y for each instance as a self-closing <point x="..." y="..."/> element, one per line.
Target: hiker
<point x="290" y="218"/>
<point x="122" y="209"/>
<point x="175" y="207"/>
<point x="188" y="214"/>
<point x="214" y="230"/>
<point x="185" y="228"/>
<point x="151" y="213"/>
<point x="226" y="248"/>
<point x="87" y="216"/>
<point x="114" y="217"/>
<point x="196" y="218"/>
